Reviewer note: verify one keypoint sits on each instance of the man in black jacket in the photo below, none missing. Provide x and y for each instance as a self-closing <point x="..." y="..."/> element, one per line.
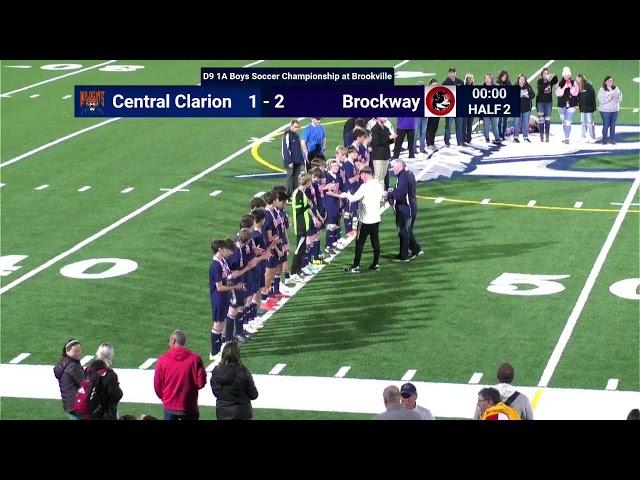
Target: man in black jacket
<point x="381" y="139"/>
<point x="292" y="155"/>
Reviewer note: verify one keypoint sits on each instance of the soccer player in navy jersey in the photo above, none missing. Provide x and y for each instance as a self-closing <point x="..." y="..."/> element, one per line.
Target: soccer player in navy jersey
<point x="274" y="245"/>
<point x="332" y="185"/>
<point x="219" y="291"/>
<point x="283" y="229"/>
<point x="351" y="184"/>
<point x="262" y="253"/>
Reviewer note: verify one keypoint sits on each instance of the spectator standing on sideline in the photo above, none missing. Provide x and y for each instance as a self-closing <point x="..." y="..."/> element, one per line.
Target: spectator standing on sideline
<point x="587" y="105"/>
<point x="567" y="93"/>
<point x="395" y="409"/>
<point x="452" y="79"/>
<point x="109" y="385"/>
<point x="178" y="377"/>
<point x="409" y="394"/>
<point x="609" y="98"/>
<point x="421" y="130"/>
<point x="292" y="155"/>
<point x="509" y="395"/>
<point x="232" y="385"/>
<point x="69" y="373"/>
<point x="545" y="102"/>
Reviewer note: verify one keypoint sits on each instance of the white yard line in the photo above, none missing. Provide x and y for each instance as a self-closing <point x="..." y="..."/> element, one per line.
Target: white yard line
<point x="404" y="62"/>
<point x="147" y="363"/>
<point x="277" y="369"/>
<point x="19" y="358"/>
<point x="86" y="359"/>
<point x="612" y="384"/>
<point x="75" y="72"/>
<point x="408" y="375"/>
<point x="331" y="394"/>
<point x="252" y="64"/>
<point x="59" y="140"/>
<point x="588" y="286"/>
<point x="66" y="97"/>
<point x="131" y="215"/>
<point x="79" y="132"/>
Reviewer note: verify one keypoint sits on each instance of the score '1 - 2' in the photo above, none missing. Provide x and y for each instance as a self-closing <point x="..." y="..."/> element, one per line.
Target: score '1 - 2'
<point x="279" y="98"/>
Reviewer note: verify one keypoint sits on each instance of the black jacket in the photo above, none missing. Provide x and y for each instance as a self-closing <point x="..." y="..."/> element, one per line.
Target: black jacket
<point x="545" y="90"/>
<point x="69" y="373"/>
<point x="587" y="99"/>
<point x="525" y="102"/>
<point x="291" y="149"/>
<point x="233" y="387"/>
<point x="380" y="142"/>
<point x="110" y="390"/>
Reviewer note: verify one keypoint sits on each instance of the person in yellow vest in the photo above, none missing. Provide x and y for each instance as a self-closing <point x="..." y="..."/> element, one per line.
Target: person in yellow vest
<point x="492" y="408"/>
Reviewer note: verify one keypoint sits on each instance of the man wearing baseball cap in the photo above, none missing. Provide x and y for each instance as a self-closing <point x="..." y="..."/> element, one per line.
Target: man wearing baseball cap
<point x="409" y="393"/>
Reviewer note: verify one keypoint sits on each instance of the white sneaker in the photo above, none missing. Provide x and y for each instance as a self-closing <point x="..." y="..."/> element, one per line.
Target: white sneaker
<point x="295" y="278"/>
<point x="307" y="271"/>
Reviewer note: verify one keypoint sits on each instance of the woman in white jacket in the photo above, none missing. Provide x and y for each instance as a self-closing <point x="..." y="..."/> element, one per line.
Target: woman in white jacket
<point x="609" y="98"/>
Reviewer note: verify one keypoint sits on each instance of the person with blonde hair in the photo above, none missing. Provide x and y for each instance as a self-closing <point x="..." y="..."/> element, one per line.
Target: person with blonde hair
<point x="587" y="105"/>
<point x="232" y="385"/>
<point x="108" y="386"/>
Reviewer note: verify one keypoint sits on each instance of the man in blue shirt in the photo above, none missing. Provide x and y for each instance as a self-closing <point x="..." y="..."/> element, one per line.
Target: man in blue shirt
<point x="314" y="141"/>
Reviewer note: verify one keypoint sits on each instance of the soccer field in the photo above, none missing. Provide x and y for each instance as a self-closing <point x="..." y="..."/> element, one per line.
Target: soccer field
<point x="531" y="252"/>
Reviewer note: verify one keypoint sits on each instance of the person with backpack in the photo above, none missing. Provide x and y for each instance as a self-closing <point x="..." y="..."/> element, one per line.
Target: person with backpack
<point x="491" y="408"/>
<point x="100" y="391"/>
<point x="69" y="373"/>
<point x="509" y="395"/>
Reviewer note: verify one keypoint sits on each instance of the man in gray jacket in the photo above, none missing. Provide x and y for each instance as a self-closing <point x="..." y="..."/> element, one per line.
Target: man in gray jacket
<point x="509" y="395"/>
<point x="395" y="409"/>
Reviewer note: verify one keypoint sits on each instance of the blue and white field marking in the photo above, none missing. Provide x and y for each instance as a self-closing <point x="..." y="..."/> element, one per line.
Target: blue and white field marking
<point x="330" y="394"/>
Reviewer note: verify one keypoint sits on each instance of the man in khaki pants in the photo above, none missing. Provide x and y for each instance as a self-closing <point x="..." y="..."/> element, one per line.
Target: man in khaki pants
<point x="381" y="139"/>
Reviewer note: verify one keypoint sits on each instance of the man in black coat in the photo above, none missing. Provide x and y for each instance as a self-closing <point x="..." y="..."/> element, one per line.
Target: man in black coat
<point x="381" y="139"/>
<point x="292" y="156"/>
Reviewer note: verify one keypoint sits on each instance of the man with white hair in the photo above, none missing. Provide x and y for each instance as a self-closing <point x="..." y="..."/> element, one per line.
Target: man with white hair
<point x="409" y="395"/>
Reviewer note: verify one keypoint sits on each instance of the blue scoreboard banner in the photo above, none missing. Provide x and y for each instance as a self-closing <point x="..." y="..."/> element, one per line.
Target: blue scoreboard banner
<point x="237" y="100"/>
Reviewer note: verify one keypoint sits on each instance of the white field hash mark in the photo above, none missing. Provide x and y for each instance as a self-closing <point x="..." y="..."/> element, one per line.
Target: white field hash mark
<point x="42" y="187"/>
<point x="85" y="188"/>
<point x="342" y="372"/>
<point x="19" y="358"/>
<point x="475" y="378"/>
<point x="277" y="369"/>
<point x="588" y="286"/>
<point x="128" y="217"/>
<point x="127" y="190"/>
<point x="408" y="375"/>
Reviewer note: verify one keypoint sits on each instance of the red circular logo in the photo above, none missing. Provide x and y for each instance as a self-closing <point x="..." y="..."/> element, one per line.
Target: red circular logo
<point x="440" y="101"/>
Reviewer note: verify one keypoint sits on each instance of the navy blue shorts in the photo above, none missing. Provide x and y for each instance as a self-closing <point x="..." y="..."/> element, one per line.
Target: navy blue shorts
<point x="219" y="307"/>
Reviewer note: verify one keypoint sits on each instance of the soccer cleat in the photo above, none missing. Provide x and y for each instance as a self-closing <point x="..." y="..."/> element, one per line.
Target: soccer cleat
<point x="374" y="267"/>
<point x="399" y="259"/>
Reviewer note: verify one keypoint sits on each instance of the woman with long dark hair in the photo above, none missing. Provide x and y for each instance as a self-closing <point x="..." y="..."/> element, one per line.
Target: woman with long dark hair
<point x="232" y="385"/>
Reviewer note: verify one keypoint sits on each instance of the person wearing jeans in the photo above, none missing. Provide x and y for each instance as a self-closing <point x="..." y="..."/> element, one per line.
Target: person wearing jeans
<point x="609" y="98"/>
<point x="545" y="102"/>
<point x="587" y="104"/>
<point x="526" y="96"/>
<point x="567" y="93"/>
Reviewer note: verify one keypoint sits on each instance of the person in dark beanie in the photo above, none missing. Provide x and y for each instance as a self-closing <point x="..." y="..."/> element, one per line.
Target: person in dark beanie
<point x="69" y="373"/>
<point x="232" y="385"/>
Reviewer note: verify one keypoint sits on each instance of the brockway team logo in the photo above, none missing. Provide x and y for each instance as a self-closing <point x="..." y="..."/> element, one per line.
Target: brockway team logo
<point x="92" y="102"/>
<point x="440" y="101"/>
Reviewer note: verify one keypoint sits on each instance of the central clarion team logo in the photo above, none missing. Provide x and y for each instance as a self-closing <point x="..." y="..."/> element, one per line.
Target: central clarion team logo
<point x="440" y="101"/>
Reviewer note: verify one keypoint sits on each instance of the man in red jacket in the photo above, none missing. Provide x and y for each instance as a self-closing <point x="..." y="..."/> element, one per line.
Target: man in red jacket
<point x="178" y="377"/>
